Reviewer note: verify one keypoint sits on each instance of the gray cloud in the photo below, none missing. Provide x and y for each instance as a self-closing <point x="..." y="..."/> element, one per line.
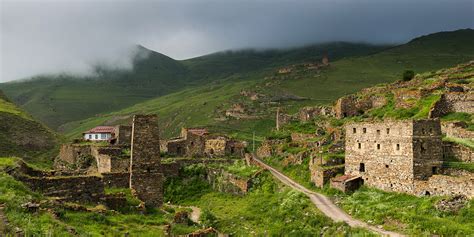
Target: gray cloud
<point x="51" y="36"/>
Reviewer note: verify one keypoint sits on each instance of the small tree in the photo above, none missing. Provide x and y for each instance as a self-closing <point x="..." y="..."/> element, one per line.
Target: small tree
<point x="408" y="75"/>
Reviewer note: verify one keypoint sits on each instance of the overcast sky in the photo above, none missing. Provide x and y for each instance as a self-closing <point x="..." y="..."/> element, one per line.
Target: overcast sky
<point x="51" y="36"/>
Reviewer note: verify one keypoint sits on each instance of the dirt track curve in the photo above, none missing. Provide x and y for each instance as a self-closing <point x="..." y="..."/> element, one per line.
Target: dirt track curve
<point x="324" y="204"/>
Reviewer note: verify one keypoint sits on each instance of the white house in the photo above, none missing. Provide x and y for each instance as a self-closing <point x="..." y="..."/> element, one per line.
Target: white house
<point x="100" y="133"/>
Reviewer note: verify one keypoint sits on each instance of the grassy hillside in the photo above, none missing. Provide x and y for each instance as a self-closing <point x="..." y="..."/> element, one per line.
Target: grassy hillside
<point x="21" y="136"/>
<point x="200" y="106"/>
<point x="59" y="99"/>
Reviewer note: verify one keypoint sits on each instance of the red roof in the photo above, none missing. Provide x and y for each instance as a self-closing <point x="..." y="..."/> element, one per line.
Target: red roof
<point x="102" y="129"/>
<point x="198" y="131"/>
<point x="344" y="178"/>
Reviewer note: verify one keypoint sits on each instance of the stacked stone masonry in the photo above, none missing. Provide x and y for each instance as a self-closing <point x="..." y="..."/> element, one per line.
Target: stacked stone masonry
<point x="146" y="179"/>
<point x="398" y="155"/>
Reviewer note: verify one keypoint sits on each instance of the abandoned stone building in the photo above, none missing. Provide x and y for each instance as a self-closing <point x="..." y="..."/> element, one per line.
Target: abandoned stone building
<point x="198" y="142"/>
<point x="146" y="177"/>
<point x="403" y="156"/>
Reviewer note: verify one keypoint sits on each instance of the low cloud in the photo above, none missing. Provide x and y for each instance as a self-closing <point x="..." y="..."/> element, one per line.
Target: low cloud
<point x="54" y="36"/>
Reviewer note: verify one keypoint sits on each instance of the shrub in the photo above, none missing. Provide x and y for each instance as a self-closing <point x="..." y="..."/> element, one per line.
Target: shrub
<point x="208" y="219"/>
<point x="408" y="75"/>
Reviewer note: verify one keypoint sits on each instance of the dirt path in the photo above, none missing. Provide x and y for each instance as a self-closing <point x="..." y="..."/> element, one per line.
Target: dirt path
<point x="195" y="214"/>
<point x="324" y="204"/>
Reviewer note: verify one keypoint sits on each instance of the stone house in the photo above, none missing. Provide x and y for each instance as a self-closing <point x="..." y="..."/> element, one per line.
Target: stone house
<point x="402" y="156"/>
<point x="197" y="142"/>
<point x="390" y="155"/>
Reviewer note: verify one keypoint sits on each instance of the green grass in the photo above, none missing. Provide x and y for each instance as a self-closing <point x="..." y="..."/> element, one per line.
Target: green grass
<point x="459" y="165"/>
<point x="86" y="223"/>
<point x="465" y="142"/>
<point x="463" y="117"/>
<point x="268" y="209"/>
<point x="412" y="215"/>
<point x="22" y="136"/>
<point x="419" y="110"/>
<point x="8" y="107"/>
<point x="240" y="169"/>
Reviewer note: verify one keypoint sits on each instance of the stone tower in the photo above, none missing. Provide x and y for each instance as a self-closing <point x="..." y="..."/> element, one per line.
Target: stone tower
<point x="392" y="155"/>
<point x="146" y="179"/>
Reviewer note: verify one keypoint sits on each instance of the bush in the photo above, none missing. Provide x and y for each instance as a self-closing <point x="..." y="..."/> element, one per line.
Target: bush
<point x="408" y="75"/>
<point x="208" y="219"/>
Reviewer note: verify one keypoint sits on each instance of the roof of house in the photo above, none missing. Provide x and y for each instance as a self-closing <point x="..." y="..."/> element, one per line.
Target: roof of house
<point x="198" y="131"/>
<point x="102" y="129"/>
<point x="345" y="178"/>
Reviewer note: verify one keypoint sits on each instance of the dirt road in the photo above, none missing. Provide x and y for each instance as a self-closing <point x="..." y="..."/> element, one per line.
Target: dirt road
<point x="325" y="204"/>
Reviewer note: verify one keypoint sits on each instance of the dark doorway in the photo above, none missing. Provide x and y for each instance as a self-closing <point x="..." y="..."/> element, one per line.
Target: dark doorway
<point x="361" y="167"/>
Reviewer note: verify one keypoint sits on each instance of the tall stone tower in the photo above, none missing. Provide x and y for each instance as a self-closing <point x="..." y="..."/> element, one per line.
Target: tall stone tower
<point x="146" y="179"/>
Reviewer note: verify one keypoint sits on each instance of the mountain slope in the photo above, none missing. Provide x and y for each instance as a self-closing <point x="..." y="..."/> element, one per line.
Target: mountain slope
<point x="59" y="99"/>
<point x="21" y="136"/>
<point x="62" y="98"/>
<point x="205" y="105"/>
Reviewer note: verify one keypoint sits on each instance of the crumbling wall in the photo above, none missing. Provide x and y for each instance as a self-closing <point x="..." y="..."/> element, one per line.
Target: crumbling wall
<point x="235" y="148"/>
<point x="453" y="102"/>
<point x="459" y="152"/>
<point x="195" y="145"/>
<point x="224" y="181"/>
<point x="215" y="146"/>
<point x="456" y="129"/>
<point x="176" y="147"/>
<point x="123" y="134"/>
<point x="110" y="159"/>
<point x="116" y="180"/>
<point x="306" y="114"/>
<point x="146" y="179"/>
<point x="71" y="153"/>
<point x="67" y="188"/>
<point x="321" y="175"/>
<point x="446" y="185"/>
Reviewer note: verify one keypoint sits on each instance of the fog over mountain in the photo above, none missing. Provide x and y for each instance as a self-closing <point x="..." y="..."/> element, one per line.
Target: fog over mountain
<point x="53" y="36"/>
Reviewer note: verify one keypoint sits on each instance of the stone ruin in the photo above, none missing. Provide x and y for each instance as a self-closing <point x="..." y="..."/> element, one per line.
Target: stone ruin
<point x="402" y="156"/>
<point x="146" y="178"/>
<point x="198" y="142"/>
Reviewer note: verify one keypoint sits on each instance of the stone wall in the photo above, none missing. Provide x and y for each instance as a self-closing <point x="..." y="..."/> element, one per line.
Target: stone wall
<point x="390" y="155"/>
<point x="123" y="134"/>
<point x="116" y="180"/>
<point x="461" y="153"/>
<point x="215" y="146"/>
<point x="321" y="175"/>
<point x="453" y="102"/>
<point x="446" y="185"/>
<point x="457" y="130"/>
<point x="224" y="181"/>
<point x="68" y="188"/>
<point x="346" y="183"/>
<point x="110" y="159"/>
<point x="346" y="107"/>
<point x="146" y="179"/>
<point x="71" y="153"/>
<point x="235" y="148"/>
<point x="176" y="147"/>
<point x="306" y="114"/>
